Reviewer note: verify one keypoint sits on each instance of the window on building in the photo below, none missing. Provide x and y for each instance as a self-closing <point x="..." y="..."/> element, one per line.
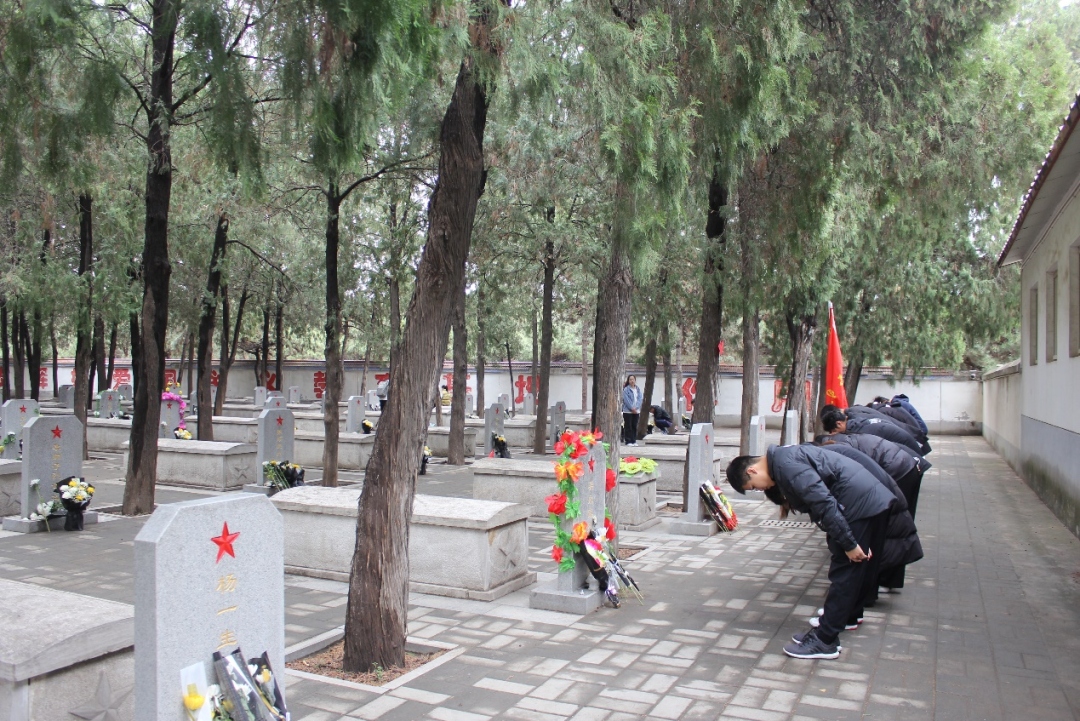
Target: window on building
<point x="1074" y="300"/>
<point x="1051" y="315"/>
<point x="1033" y="325"/>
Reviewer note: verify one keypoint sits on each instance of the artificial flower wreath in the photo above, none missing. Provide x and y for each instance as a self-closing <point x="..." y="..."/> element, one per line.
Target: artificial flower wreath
<point x="572" y="446"/>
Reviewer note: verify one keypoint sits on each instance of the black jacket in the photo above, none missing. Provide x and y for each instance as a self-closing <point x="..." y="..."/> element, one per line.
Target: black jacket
<point x="884" y="429"/>
<point x="660" y="414"/>
<point x="832" y="489"/>
<point x="879" y="413"/>
<point x="902" y="544"/>
<point x="901" y="416"/>
<point x="893" y="457"/>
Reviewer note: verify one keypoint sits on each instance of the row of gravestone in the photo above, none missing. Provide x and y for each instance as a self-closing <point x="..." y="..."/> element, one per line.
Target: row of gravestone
<point x="66" y="395"/>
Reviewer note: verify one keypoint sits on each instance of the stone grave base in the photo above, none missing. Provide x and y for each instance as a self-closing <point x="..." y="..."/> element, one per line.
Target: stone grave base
<point x="438" y="440"/>
<point x="670" y="461"/>
<point x="10" y="488"/>
<point x="354" y="449"/>
<point x="256" y="488"/>
<point x="107" y="434"/>
<point x="458" y="547"/>
<point x="581" y="602"/>
<point x="515" y="481"/>
<point x="681" y="526"/>
<point x="637" y="501"/>
<point x="56" y="523"/>
<point x="215" y="465"/>
<point x="233" y="430"/>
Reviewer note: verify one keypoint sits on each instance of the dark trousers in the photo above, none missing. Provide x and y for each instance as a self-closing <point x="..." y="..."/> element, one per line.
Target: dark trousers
<point x="663" y="424"/>
<point x="850" y="583"/>
<point x="909" y="484"/>
<point x="629" y="433"/>
<point x="382" y="404"/>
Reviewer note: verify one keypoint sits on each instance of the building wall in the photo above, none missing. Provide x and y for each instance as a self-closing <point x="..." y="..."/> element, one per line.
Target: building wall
<point x="1002" y="398"/>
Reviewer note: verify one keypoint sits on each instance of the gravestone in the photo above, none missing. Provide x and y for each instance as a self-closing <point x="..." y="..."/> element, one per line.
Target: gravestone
<point x="556" y="424"/>
<point x="108" y="404"/>
<point x="504" y="401"/>
<point x="16" y="413"/>
<point x="756" y="437"/>
<point x="696" y="521"/>
<point x="260" y="396"/>
<point x="67" y="396"/>
<point x="529" y="405"/>
<point x="52" y="451"/>
<point x="682" y="409"/>
<point x="791" y="429"/>
<point x="373" y="400"/>
<point x="354" y="416"/>
<point x="277" y="428"/>
<point x="470" y="404"/>
<point x="275" y="394"/>
<point x="209" y="577"/>
<point x="127" y="392"/>
<point x="494" y="421"/>
<point x="574" y="591"/>
<point x="274" y="402"/>
<point x="294" y="394"/>
<point x="170" y="418"/>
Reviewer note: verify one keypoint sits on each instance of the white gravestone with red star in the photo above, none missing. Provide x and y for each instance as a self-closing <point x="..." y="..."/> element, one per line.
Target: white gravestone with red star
<point x="17" y="412"/>
<point x="52" y="451"/>
<point x="209" y="576"/>
<point x="354" y="416"/>
<point x="696" y="521"/>
<point x="276" y="429"/>
<point x="170" y="418"/>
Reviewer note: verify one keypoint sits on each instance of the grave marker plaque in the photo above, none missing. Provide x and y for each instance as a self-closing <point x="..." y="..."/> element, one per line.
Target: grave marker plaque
<point x="373" y="400"/>
<point x="260" y="396"/>
<point x="277" y="427"/>
<point x="696" y="521"/>
<point x="67" y="396"/>
<point x="756" y="437"/>
<point x="274" y="402"/>
<point x="529" y="405"/>
<point x="52" y="451"/>
<point x="791" y="429"/>
<point x="504" y="401"/>
<point x="470" y="404"/>
<point x="170" y="418"/>
<point x="354" y="416"/>
<point x="557" y="423"/>
<point x="108" y="405"/>
<point x="294" y="394"/>
<point x="209" y="577"/>
<point x="17" y="412"/>
<point x="127" y="392"/>
<point x="493" y="425"/>
<point x="568" y="593"/>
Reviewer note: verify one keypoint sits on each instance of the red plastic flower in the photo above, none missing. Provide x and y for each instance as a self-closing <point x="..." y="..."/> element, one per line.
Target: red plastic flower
<point x="567" y="437"/>
<point x="579" y="449"/>
<point x="571" y="471"/>
<point x="630" y="459"/>
<point x="556" y="554"/>
<point x="597" y="434"/>
<point x="581" y="530"/>
<point x="610" y="529"/>
<point x="556" y="504"/>
<point x="612" y="479"/>
<point x="559" y="448"/>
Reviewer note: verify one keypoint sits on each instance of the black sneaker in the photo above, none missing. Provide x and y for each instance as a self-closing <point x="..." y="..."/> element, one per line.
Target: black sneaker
<point x="798" y="638"/>
<point x="812" y="647"/>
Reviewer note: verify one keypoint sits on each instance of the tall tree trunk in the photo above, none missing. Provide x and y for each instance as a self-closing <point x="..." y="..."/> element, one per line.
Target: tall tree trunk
<point x="542" y="387"/>
<point x="534" y="371"/>
<point x="183" y="361"/>
<point x="367" y="355"/>
<point x="55" y="359"/>
<point x="6" y="372"/>
<point x="279" y="345"/>
<point x="852" y="376"/>
<point x="818" y="395"/>
<point x="750" y="376"/>
<point x="33" y="359"/>
<point x="585" y="334"/>
<point x="136" y="353"/>
<point x="228" y="350"/>
<point x="99" y="353"/>
<point x="669" y="381"/>
<point x="84" y="311"/>
<point x="679" y="375"/>
<point x="801" y="331"/>
<point x="650" y="383"/>
<point x="712" y="307"/>
<point x="379" y="584"/>
<point x="510" y="368"/>
<point x="395" y="319"/>
<point x="456" y="453"/>
<point x="207" y="323"/>
<point x="142" y="456"/>
<point x="20" y="354"/>
<point x="264" y="369"/>
<point x="481" y="341"/>
<point x="332" y="351"/>
<point x="112" y="355"/>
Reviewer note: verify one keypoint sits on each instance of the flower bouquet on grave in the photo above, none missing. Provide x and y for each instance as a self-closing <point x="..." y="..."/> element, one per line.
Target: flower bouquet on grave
<point x="182" y="434"/>
<point x="597" y="560"/>
<point x="282" y="474"/>
<point x="75" y="496"/>
<point x="718" y="506"/>
<point x="424" y="460"/>
<point x="499" y="449"/>
<point x="631" y="466"/>
<point x="368" y="426"/>
<point x="8" y="440"/>
<point x="249" y="691"/>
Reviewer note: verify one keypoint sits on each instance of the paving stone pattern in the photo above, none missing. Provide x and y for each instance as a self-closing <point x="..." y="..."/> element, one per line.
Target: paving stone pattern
<point x="987" y="627"/>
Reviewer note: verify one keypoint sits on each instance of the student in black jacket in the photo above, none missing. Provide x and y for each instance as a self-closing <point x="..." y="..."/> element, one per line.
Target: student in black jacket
<point x="845" y="501"/>
<point x="837" y="421"/>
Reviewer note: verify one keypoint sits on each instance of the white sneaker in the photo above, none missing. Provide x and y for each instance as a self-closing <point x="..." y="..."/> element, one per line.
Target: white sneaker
<point x="821" y="612"/>
<point x="816" y="623"/>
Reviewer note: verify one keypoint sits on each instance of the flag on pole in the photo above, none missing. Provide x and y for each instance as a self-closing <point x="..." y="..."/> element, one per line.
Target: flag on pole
<point x="834" y="368"/>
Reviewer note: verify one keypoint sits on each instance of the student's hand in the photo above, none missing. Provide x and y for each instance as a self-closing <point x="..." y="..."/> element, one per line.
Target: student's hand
<point x="856" y="555"/>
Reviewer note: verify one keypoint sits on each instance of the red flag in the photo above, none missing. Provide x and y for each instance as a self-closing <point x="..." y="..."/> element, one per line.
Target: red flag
<point x="834" y="368"/>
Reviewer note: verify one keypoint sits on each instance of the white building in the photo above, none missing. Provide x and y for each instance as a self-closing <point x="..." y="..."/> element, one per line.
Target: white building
<point x="1032" y="407"/>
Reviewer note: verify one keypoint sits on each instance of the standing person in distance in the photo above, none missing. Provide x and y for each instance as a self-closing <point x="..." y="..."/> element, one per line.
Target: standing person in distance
<point x="631" y="408"/>
<point x="845" y="501"/>
<point x="382" y="391"/>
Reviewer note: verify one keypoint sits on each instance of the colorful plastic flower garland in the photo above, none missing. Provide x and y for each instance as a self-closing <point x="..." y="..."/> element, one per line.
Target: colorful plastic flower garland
<point x="631" y="466"/>
<point x="572" y="446"/>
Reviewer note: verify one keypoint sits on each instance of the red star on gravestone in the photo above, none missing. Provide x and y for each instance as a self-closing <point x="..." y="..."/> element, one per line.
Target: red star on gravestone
<point x="592" y="464"/>
<point x="56" y="432"/>
<point x="706" y="437"/>
<point x="22" y="409"/>
<point x="279" y="420"/>
<point x="225" y="542"/>
<point x="169" y="405"/>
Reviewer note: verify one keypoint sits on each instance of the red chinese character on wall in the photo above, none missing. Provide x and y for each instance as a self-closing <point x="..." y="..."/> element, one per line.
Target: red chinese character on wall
<point x="524" y="385"/>
<point x="380" y="377"/>
<point x="214" y="378"/>
<point x="320" y="384"/>
<point x="121" y="377"/>
<point x="43" y="378"/>
<point x="689" y="388"/>
<point x="73" y="376"/>
<point x="271" y="380"/>
<point x="170" y="376"/>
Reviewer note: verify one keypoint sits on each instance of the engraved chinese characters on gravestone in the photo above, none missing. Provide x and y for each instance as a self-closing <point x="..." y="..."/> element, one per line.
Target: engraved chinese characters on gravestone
<point x="355" y="414"/>
<point x="16" y="414"/>
<point x="277" y="428"/>
<point x="209" y="578"/>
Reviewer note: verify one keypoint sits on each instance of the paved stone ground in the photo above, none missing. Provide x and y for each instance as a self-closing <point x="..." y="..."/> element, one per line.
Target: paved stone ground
<point x="988" y="626"/>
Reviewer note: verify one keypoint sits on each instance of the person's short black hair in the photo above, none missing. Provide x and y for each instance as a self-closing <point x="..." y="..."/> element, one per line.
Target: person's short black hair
<point x="736" y="472"/>
<point x="881" y="399"/>
<point x="827" y="408"/>
<point x="774" y="494"/>
<point x="830" y="420"/>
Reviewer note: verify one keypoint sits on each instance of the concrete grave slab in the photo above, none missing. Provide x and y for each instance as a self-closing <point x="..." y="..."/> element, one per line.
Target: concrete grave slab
<point x="695" y="520"/>
<point x="214" y="465"/>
